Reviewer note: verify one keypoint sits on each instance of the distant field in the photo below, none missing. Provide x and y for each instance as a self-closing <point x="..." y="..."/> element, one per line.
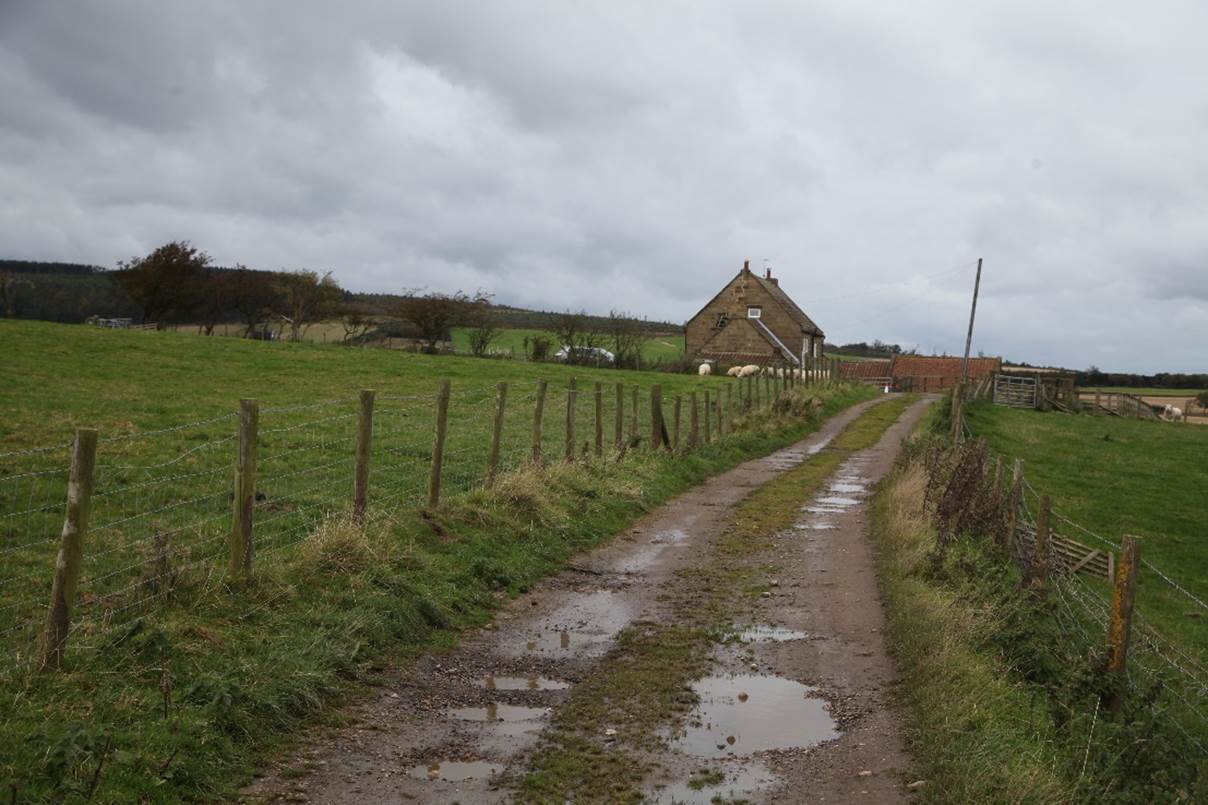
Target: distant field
<point x="1122" y="476"/>
<point x="1142" y="392"/>
<point x="665" y="346"/>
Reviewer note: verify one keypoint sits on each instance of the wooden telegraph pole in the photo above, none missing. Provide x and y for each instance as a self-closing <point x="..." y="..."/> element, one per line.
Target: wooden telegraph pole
<point x="972" y="314"/>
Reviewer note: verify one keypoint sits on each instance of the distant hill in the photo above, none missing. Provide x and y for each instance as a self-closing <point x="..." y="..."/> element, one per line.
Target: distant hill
<point x="71" y="292"/>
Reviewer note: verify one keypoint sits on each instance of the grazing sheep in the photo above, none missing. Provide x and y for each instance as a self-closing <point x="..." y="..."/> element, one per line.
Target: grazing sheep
<point x="704" y="370"/>
<point x="733" y="371"/>
<point x="748" y="370"/>
<point x="1172" y="413"/>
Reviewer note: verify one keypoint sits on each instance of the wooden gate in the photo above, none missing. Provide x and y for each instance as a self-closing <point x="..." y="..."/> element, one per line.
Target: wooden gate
<point x="1017" y="392"/>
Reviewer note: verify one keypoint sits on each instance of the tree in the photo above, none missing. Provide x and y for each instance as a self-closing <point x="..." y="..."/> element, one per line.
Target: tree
<point x="484" y="329"/>
<point x="434" y="314"/>
<point x="356" y="321"/>
<point x="9" y="283"/>
<point x="626" y="335"/>
<point x="253" y="295"/>
<point x="574" y="330"/>
<point x="306" y="297"/>
<point x="167" y="283"/>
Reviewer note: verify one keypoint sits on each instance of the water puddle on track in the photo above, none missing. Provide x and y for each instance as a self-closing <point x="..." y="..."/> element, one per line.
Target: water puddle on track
<point x="459" y="771"/>
<point x="522" y="683"/>
<point x="507" y="720"/>
<point x="769" y="634"/>
<point x="741" y="781"/>
<point x="585" y="625"/>
<point x="746" y="713"/>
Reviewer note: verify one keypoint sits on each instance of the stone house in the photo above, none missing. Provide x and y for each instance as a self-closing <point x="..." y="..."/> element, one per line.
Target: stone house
<point x="752" y="320"/>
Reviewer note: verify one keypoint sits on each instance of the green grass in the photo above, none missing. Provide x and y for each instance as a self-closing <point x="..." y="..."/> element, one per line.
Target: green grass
<point x="664" y="346"/>
<point x="1121" y="476"/>
<point x="329" y="606"/>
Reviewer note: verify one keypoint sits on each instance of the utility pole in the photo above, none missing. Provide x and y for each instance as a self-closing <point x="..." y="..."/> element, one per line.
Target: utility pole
<point x="969" y="337"/>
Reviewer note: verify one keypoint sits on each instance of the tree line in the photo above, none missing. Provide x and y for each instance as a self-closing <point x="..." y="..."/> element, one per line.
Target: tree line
<point x="178" y="284"/>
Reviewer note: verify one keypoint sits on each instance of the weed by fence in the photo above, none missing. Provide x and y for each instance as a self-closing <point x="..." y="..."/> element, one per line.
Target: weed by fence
<point x="202" y="502"/>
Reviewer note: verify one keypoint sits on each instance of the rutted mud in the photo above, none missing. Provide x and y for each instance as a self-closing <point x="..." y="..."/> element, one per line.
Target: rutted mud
<point x="745" y="713"/>
<point x="431" y="738"/>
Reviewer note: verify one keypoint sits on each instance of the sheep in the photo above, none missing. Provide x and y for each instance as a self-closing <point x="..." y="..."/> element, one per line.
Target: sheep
<point x="704" y="370"/>
<point x="1172" y="413"/>
<point x="748" y="370"/>
<point x="733" y="371"/>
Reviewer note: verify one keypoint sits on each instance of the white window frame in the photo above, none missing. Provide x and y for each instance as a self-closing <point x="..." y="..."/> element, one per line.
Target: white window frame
<point x="756" y="309"/>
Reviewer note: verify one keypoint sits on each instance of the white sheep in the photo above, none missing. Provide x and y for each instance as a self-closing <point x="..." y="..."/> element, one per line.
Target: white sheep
<point x="1172" y="413"/>
<point x="733" y="371"/>
<point x="704" y="370"/>
<point x="748" y="370"/>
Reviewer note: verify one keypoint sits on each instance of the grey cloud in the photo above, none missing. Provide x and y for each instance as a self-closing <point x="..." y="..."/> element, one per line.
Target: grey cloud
<point x="632" y="155"/>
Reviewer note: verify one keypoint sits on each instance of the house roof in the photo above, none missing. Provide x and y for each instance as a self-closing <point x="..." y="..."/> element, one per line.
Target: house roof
<point x="864" y="370"/>
<point x="941" y="366"/>
<point x="797" y="314"/>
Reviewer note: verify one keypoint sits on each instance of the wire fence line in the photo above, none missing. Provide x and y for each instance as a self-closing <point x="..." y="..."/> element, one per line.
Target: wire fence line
<point x="164" y="504"/>
<point x="1094" y="610"/>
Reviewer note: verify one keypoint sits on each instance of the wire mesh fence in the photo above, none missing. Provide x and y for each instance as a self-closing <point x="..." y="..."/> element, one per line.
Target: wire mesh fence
<point x="163" y="503"/>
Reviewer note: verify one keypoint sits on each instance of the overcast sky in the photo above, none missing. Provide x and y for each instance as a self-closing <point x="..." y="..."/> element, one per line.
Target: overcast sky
<point x="632" y="155"/>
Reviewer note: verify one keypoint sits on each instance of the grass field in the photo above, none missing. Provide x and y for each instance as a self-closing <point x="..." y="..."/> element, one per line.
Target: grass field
<point x="1121" y="476"/>
<point x="329" y="606"/>
<point x="664" y="346"/>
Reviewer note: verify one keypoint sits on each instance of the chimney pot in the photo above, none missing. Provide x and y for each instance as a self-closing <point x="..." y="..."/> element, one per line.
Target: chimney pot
<point x="746" y="266"/>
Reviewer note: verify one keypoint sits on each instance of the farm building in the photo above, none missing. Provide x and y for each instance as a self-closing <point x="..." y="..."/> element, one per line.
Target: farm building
<point x="937" y="372"/>
<point x="752" y="320"/>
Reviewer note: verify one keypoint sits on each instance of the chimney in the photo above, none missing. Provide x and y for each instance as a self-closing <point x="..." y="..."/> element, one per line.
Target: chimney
<point x="768" y="276"/>
<point x="746" y="266"/>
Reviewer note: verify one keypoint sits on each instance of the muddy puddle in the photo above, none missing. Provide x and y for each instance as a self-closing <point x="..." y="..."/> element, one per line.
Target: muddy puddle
<point x="737" y="783"/>
<point x="455" y="771"/>
<point x="498" y="712"/>
<point x="746" y="713"/>
<point x="522" y="683"/>
<point x="768" y="634"/>
<point x="585" y="626"/>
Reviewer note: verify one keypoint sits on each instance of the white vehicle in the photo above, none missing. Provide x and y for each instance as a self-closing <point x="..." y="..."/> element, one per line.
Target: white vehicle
<point x="596" y="355"/>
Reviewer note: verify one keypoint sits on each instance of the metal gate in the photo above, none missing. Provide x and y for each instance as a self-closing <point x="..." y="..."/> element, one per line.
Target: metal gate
<point x="1017" y="392"/>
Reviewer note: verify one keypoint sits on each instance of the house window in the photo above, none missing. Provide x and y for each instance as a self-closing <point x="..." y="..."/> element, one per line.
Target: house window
<point x="754" y="312"/>
<point x="721" y="321"/>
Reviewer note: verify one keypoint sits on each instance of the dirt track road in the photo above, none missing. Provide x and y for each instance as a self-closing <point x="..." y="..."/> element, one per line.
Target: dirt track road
<point x="797" y="710"/>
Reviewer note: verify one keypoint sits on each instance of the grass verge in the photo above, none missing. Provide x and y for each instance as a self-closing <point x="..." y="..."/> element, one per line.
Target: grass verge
<point x="1001" y="684"/>
<point x="185" y="701"/>
<point x="644" y="684"/>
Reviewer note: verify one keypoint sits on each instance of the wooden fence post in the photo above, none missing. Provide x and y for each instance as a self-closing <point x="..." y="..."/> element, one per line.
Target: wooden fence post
<point x="633" y="417"/>
<point x="1013" y="498"/>
<point x="746" y="399"/>
<point x="675" y="423"/>
<point x="71" y="549"/>
<point x="360" y="483"/>
<point x="619" y="423"/>
<point x="1041" y="553"/>
<point x="501" y="401"/>
<point x="438" y="444"/>
<point x="755" y="383"/>
<point x="693" y="424"/>
<point x="1124" y="596"/>
<point x="572" y="395"/>
<point x="538" y="414"/>
<point x="245" y="488"/>
<point x="599" y="419"/>
<point x="708" y="420"/>
<point x="956" y="414"/>
<point x="656" y="416"/>
<point x="730" y="405"/>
